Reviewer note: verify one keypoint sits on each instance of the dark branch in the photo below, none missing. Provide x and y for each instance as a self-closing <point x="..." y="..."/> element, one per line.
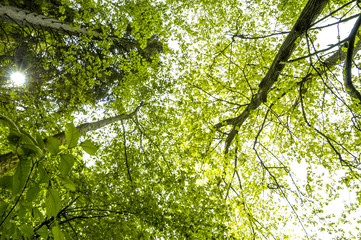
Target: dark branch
<point x="309" y="14"/>
<point x="348" y="81"/>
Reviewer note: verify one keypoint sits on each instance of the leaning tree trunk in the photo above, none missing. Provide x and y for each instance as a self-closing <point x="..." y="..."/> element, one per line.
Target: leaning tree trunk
<point x="10" y="160"/>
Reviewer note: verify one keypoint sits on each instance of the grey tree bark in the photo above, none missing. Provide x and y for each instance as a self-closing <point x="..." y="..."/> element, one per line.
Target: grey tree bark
<point x="30" y="19"/>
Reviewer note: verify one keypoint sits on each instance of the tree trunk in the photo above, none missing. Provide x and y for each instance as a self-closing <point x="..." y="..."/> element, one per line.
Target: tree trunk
<point x="10" y="160"/>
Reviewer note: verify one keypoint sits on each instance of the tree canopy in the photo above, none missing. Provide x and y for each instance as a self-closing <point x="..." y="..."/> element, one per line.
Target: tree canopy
<point x="180" y="119"/>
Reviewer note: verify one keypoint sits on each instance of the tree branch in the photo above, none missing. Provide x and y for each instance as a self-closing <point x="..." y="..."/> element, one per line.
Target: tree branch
<point x="348" y="81"/>
<point x="125" y="153"/>
<point x="10" y="160"/>
<point x="30" y="19"/>
<point x="309" y="14"/>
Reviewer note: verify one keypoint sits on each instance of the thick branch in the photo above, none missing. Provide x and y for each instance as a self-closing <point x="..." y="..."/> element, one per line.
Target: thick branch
<point x="30" y="19"/>
<point x="336" y="58"/>
<point x="348" y="81"/>
<point x="309" y="14"/>
<point x="10" y="160"/>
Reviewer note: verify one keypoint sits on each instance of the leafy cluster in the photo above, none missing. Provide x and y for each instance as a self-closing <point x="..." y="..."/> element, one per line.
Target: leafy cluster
<point x="247" y="126"/>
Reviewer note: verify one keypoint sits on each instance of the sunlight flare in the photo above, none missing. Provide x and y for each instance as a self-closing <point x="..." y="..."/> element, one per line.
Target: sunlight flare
<point x="18" y="78"/>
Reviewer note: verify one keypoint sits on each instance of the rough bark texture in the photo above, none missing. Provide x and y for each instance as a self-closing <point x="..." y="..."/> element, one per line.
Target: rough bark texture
<point x="10" y="160"/>
<point x="309" y="14"/>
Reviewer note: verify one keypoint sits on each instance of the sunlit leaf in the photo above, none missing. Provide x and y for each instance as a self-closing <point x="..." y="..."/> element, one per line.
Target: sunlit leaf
<point x="21" y="174"/>
<point x="66" y="163"/>
<point x="69" y="184"/>
<point x="43" y="232"/>
<point x="40" y="141"/>
<point x="43" y="175"/>
<point x="57" y="234"/>
<point x="32" y="193"/>
<point x="53" y="145"/>
<point x="89" y="147"/>
<point x="27" y="230"/>
<point x="72" y="135"/>
<point x="52" y="202"/>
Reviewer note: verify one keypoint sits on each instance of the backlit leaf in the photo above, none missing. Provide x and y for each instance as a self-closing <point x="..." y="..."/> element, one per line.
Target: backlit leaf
<point x="52" y="202"/>
<point x="89" y="147"/>
<point x="21" y="174"/>
<point x="66" y="163"/>
<point x="53" y="145"/>
<point x="72" y="135"/>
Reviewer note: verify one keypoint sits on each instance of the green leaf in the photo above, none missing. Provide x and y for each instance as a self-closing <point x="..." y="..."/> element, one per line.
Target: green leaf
<point x="62" y="9"/>
<point x="89" y="147"/>
<point x="40" y="141"/>
<point x="43" y="232"/>
<point x="57" y="234"/>
<point x="52" y="203"/>
<point x="69" y="184"/>
<point x="23" y="210"/>
<point x="14" y="138"/>
<point x="53" y="145"/>
<point x="37" y="214"/>
<point x="32" y="193"/>
<point x="6" y="182"/>
<point x="25" y="139"/>
<point x="72" y="135"/>
<point x="31" y="148"/>
<point x="66" y="163"/>
<point x="43" y="175"/>
<point x="21" y="174"/>
<point x="27" y="230"/>
<point x="67" y="236"/>
<point x="3" y="208"/>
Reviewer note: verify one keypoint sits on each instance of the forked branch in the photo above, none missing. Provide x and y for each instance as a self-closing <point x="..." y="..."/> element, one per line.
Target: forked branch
<point x="309" y="14"/>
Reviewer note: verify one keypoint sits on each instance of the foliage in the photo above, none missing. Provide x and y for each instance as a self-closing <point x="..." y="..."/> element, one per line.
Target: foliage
<point x="231" y="143"/>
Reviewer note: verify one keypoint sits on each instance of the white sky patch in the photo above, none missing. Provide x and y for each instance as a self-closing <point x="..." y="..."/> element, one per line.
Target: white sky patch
<point x="333" y="34"/>
<point x="18" y="78"/>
